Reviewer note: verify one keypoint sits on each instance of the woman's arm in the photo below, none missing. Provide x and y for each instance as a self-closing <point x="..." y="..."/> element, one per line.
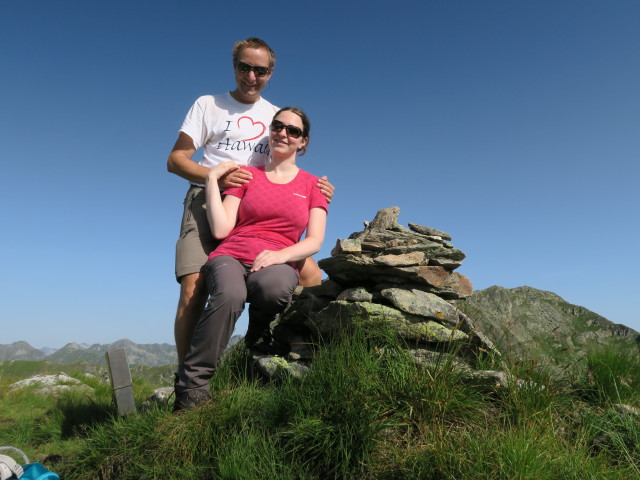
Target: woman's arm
<point x="222" y="216"/>
<point x="304" y="248"/>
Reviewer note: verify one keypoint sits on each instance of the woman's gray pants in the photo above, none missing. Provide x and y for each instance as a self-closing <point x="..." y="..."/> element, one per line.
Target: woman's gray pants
<point x="230" y="284"/>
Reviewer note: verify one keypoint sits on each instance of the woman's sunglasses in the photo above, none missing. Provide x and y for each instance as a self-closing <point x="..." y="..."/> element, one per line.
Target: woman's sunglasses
<point x="292" y="130"/>
<point x="246" y="68"/>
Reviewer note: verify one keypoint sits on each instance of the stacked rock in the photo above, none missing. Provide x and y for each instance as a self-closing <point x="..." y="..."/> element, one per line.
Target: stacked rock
<point x="387" y="273"/>
<point x="387" y="254"/>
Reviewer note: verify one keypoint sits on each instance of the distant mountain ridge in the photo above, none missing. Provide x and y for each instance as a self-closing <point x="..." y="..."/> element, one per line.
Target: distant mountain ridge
<point x="20" y="351"/>
<point x="153" y="354"/>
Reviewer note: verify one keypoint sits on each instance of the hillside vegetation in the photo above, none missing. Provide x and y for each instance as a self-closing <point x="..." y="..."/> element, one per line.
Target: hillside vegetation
<point x="365" y="410"/>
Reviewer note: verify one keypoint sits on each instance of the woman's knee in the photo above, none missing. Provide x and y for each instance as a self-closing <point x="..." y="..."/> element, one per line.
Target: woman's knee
<point x="229" y="295"/>
<point x="226" y="280"/>
<point x="273" y="285"/>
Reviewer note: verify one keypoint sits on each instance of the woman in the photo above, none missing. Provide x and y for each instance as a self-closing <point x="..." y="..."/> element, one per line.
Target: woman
<point x="261" y="223"/>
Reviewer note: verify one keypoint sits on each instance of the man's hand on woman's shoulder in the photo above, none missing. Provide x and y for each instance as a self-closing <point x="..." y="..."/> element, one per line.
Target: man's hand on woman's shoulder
<point x="326" y="188"/>
<point x="235" y="178"/>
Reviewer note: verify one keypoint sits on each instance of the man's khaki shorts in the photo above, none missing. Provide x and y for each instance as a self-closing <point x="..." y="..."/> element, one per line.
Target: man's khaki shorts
<point x="196" y="241"/>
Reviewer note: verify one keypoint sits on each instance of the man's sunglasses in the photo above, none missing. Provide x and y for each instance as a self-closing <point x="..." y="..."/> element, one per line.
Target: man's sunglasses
<point x="246" y="68"/>
<point x="292" y="130"/>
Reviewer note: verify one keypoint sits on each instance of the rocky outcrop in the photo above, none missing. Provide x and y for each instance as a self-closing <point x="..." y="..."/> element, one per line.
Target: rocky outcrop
<point x="52" y="384"/>
<point x="158" y="398"/>
<point x="403" y="277"/>
<point x="406" y="278"/>
<point x="527" y="323"/>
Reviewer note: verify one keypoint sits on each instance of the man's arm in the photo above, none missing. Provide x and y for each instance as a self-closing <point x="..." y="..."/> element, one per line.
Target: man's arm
<point x="180" y="163"/>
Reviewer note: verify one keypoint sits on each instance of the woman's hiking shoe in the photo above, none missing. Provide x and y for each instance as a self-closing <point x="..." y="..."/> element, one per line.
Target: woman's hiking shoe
<point x="267" y="347"/>
<point x="190" y="399"/>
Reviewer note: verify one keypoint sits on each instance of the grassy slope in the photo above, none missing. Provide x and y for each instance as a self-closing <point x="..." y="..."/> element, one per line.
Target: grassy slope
<point x="365" y="411"/>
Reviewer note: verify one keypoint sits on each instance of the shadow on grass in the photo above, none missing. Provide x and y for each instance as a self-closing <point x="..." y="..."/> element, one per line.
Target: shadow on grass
<point x="80" y="415"/>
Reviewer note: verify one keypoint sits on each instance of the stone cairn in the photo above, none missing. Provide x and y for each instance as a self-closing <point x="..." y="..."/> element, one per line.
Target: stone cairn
<point x="401" y="276"/>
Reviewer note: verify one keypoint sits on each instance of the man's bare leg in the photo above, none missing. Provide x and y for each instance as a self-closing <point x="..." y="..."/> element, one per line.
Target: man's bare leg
<point x="310" y="273"/>
<point x="193" y="296"/>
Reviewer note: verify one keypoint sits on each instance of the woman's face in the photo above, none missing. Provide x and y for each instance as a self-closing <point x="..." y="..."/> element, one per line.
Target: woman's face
<point x="284" y="143"/>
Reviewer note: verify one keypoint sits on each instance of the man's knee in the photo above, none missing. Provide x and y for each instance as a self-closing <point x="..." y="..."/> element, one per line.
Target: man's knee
<point x="192" y="290"/>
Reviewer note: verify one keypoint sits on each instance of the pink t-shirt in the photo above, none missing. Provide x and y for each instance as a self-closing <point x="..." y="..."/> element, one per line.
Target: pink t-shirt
<point x="271" y="216"/>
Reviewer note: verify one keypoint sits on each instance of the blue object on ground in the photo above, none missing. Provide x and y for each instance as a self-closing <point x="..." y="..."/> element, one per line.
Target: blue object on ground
<point x="35" y="471"/>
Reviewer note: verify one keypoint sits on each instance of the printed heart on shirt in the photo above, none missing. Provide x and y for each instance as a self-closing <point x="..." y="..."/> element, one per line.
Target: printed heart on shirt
<point x="255" y="126"/>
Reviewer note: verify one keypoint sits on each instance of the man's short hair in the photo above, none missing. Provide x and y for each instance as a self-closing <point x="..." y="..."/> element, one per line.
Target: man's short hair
<point x="253" y="42"/>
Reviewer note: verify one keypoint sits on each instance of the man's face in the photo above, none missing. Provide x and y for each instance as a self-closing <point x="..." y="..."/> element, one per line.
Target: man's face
<point x="249" y="83"/>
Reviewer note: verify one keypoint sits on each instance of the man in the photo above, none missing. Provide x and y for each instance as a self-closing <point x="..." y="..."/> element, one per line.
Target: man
<point x="231" y="126"/>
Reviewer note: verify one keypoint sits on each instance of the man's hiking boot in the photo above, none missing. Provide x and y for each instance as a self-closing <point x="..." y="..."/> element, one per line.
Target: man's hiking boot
<point x="190" y="399"/>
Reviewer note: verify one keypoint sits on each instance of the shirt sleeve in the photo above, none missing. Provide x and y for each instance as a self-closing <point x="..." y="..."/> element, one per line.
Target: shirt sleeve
<point x="237" y="191"/>
<point x="194" y="123"/>
<point x="317" y="198"/>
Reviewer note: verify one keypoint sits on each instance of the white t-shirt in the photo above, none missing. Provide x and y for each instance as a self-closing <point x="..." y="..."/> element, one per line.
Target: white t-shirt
<point x="230" y="130"/>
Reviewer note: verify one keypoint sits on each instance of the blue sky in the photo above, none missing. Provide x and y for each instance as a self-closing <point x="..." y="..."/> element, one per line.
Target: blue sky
<point x="514" y="126"/>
